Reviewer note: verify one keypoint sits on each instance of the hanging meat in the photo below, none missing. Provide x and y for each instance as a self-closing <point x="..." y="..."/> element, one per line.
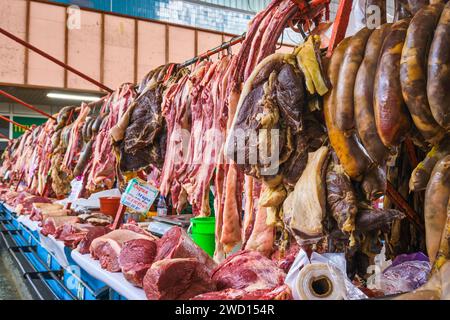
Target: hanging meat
<point x="413" y="71"/>
<point x="103" y="173"/>
<point x="141" y="131"/>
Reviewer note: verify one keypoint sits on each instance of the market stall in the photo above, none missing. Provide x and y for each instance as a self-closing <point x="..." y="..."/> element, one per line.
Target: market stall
<point x="322" y="173"/>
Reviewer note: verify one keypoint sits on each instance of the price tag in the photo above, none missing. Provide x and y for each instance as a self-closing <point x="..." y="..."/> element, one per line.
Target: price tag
<point x="139" y="195"/>
<point x="76" y="187"/>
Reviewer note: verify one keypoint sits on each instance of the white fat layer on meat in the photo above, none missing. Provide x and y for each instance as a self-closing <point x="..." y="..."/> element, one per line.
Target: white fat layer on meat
<point x="304" y="208"/>
<point x="117" y="237"/>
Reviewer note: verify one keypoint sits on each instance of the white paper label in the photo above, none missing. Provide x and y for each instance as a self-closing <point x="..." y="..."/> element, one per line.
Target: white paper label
<point x="76" y="187"/>
<point x="139" y="195"/>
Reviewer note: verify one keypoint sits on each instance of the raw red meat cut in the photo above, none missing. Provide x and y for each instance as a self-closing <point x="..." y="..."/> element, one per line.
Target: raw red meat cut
<point x="176" y="243"/>
<point x="72" y="233"/>
<point x="135" y="258"/>
<point x="285" y="262"/>
<point x="107" y="248"/>
<point x="177" y="279"/>
<point x="103" y="171"/>
<point x="93" y="233"/>
<point x="51" y="224"/>
<point x="24" y="203"/>
<point x="279" y="293"/>
<point x="134" y="227"/>
<point x="39" y="209"/>
<point x="75" y="141"/>
<point x="250" y="271"/>
<point x="262" y="236"/>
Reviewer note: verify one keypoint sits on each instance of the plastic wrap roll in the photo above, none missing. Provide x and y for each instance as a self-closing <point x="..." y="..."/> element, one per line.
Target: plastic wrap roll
<point x="319" y="281"/>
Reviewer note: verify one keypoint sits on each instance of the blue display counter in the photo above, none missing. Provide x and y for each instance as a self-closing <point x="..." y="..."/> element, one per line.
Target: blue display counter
<point x="50" y="276"/>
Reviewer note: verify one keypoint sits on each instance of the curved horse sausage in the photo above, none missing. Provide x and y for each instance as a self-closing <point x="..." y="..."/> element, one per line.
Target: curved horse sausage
<point x="363" y="97"/>
<point x="413" y="71"/>
<point x="436" y="200"/>
<point x="351" y="61"/>
<point x="351" y="154"/>
<point x="391" y="117"/>
<point x="438" y="85"/>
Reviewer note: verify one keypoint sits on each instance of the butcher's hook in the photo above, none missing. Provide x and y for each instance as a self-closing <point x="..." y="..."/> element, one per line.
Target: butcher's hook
<point x="282" y="38"/>
<point x="229" y="50"/>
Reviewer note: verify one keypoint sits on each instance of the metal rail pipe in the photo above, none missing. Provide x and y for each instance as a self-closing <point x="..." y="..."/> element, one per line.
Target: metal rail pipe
<point x="29" y="106"/>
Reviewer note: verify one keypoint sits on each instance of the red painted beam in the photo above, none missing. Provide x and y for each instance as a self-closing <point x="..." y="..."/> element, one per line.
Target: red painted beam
<point x="4" y="137"/>
<point x="53" y="59"/>
<point x="29" y="106"/>
<point x="340" y="25"/>
<point x="119" y="216"/>
<point x="401" y="203"/>
<point x="13" y="122"/>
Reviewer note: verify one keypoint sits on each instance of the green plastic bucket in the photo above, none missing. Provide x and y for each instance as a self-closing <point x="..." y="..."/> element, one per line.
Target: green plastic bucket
<point x="202" y="231"/>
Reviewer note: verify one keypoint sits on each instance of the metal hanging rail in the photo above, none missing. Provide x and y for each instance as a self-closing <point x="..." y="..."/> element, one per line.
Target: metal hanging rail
<point x="15" y="123"/>
<point x="29" y="106"/>
<point x="213" y="51"/>
<point x="53" y="59"/>
<point x="4" y="137"/>
<point x="340" y="25"/>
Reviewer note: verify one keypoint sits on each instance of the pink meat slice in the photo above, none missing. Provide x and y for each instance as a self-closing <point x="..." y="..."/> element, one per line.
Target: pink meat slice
<point x="107" y="248"/>
<point x="135" y="258"/>
<point x="134" y="227"/>
<point x="93" y="233"/>
<point x="51" y="224"/>
<point x="248" y="270"/>
<point x="176" y="243"/>
<point x="279" y="293"/>
<point x="177" y="279"/>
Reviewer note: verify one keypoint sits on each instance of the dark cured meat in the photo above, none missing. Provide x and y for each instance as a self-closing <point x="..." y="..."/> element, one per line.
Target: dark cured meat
<point x="374" y="183"/>
<point x="341" y="197"/>
<point x="310" y="138"/>
<point x="391" y="117"/>
<point x="274" y="102"/>
<point x="353" y="56"/>
<point x="413" y="71"/>
<point x="351" y="154"/>
<point x="141" y="145"/>
<point x="363" y="97"/>
<point x="438" y="84"/>
<point x="376" y="219"/>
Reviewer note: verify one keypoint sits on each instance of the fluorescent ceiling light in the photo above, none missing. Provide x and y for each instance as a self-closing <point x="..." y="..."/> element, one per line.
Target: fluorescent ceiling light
<point x="72" y="97"/>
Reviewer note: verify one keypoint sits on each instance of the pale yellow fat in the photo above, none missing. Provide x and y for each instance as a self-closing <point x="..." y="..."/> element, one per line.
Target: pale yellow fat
<point x="305" y="206"/>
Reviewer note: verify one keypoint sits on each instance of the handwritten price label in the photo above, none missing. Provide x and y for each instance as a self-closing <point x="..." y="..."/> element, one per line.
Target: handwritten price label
<point x="139" y="195"/>
<point x="76" y="187"/>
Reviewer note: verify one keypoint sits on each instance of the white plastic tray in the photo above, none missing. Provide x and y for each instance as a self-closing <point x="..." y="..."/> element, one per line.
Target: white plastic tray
<point x="114" y="280"/>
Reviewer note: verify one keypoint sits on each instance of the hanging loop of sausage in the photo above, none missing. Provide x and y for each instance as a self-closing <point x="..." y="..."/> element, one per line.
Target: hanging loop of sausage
<point x="413" y="71"/>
